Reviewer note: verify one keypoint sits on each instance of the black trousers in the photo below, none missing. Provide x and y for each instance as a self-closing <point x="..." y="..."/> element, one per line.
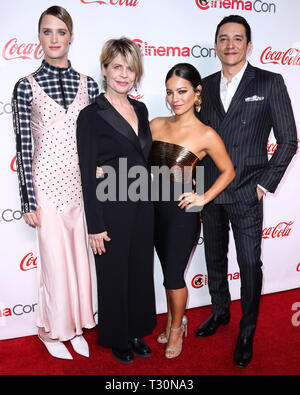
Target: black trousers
<point x="246" y="222"/>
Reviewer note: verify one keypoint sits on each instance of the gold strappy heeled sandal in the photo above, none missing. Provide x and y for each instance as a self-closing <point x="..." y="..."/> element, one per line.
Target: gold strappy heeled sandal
<point x="175" y="351"/>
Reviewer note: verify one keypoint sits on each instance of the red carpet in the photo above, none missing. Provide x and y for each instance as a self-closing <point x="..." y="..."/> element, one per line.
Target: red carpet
<point x="276" y="348"/>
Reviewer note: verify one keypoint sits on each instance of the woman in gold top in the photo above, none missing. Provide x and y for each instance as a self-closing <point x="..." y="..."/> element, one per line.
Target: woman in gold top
<point x="181" y="140"/>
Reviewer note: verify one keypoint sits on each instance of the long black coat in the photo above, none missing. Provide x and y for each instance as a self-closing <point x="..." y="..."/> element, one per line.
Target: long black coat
<point x="126" y="300"/>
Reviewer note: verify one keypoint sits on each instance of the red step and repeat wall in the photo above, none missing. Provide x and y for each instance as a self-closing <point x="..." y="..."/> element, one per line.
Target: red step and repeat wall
<point x="168" y="32"/>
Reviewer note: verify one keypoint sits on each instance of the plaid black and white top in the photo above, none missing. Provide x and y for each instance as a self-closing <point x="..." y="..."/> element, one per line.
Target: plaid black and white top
<point x="61" y="84"/>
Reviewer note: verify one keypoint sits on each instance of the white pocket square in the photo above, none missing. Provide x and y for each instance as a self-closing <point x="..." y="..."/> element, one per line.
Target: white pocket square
<point x="254" y="98"/>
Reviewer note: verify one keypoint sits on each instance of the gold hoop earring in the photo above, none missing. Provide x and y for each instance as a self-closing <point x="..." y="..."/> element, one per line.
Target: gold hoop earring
<point x="197" y="103"/>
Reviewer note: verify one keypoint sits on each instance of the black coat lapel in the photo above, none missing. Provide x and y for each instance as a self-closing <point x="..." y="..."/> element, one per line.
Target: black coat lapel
<point x="115" y="120"/>
<point x="144" y="131"/>
<point x="214" y="91"/>
<point x="239" y="95"/>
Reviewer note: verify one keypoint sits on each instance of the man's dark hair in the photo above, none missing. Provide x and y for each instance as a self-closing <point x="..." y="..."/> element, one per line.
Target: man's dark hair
<point x="235" y="19"/>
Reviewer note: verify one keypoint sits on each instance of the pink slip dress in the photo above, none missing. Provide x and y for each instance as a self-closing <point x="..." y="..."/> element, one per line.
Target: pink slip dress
<point x="65" y="284"/>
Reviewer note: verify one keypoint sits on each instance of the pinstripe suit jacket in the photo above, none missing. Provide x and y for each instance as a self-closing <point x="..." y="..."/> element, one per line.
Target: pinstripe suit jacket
<point x="260" y="103"/>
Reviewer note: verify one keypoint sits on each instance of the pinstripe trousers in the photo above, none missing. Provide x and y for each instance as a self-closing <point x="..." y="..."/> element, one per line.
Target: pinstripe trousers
<point x="246" y="220"/>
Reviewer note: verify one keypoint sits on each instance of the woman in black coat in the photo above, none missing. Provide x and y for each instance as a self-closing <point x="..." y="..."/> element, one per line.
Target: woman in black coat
<point x="114" y="132"/>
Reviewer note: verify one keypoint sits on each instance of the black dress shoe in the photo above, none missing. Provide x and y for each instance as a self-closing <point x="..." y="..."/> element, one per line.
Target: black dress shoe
<point x="140" y="348"/>
<point x="243" y="351"/>
<point x="210" y="326"/>
<point x="123" y="356"/>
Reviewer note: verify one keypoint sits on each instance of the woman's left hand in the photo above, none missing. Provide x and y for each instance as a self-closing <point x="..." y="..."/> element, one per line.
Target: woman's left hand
<point x="97" y="242"/>
<point x="191" y="199"/>
<point x="99" y="172"/>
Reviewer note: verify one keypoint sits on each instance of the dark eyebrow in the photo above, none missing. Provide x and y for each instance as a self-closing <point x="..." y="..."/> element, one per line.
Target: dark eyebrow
<point x="226" y="35"/>
<point x="184" y="87"/>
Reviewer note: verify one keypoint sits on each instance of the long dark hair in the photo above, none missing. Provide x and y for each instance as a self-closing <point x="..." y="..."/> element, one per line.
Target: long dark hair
<point x="186" y="71"/>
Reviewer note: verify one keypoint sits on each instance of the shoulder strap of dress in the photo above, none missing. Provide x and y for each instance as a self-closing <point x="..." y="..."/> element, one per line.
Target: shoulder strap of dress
<point x="30" y="79"/>
<point x="83" y="81"/>
<point x="31" y="76"/>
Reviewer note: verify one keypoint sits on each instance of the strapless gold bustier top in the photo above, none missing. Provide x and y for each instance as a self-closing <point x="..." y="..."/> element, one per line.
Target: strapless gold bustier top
<point x="181" y="160"/>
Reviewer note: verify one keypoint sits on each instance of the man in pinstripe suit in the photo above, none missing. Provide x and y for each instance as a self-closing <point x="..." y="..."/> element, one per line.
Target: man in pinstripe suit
<point x="242" y="103"/>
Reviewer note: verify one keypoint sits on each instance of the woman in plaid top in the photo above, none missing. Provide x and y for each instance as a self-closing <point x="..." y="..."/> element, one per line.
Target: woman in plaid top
<point x="46" y="106"/>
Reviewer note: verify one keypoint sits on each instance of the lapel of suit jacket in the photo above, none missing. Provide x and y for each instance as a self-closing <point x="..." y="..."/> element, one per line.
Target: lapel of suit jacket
<point x="143" y="131"/>
<point x="238" y="97"/>
<point x="214" y="91"/>
<point x="117" y="122"/>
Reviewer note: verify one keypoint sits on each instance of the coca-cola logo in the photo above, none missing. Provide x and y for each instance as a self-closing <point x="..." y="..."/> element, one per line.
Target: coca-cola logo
<point x="90" y="2"/>
<point x="29" y="262"/>
<point x="13" y="166"/>
<point x="15" y="50"/>
<point x="136" y="97"/>
<point x="298" y="267"/>
<point x="283" y="229"/>
<point x="290" y="57"/>
<point x="240" y="5"/>
<point x="128" y="3"/>
<point x="272" y="147"/>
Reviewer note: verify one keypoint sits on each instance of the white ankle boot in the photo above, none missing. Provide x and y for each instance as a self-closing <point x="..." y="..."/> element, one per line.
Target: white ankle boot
<point x="57" y="349"/>
<point x="80" y="345"/>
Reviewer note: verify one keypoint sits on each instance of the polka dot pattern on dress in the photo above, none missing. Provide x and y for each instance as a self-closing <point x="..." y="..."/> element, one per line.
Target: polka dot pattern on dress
<point x="55" y="168"/>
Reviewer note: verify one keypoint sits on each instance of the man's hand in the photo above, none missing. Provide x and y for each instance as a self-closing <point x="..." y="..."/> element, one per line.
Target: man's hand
<point x="260" y="193"/>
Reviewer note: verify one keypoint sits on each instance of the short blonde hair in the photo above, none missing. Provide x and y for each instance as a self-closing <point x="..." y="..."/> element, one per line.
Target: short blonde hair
<point x="60" y="13"/>
<point x="128" y="49"/>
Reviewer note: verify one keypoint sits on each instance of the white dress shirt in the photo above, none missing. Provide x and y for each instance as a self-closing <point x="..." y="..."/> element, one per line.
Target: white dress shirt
<point x="227" y="91"/>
